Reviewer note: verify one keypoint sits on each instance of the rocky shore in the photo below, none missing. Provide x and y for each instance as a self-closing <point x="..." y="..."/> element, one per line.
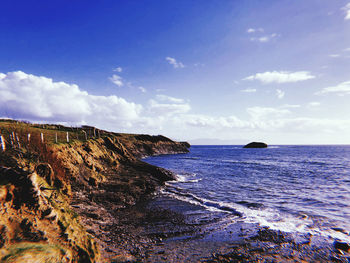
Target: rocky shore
<point x="61" y="201"/>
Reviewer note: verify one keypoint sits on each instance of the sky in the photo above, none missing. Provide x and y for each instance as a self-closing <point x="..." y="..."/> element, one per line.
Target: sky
<point x="208" y="72"/>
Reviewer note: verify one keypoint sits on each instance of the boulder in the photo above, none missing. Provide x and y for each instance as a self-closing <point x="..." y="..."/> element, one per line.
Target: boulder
<point x="341" y="246"/>
<point x="256" y="145"/>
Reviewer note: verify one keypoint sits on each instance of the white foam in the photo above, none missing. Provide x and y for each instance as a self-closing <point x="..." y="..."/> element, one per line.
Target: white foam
<point x="185" y="178"/>
<point x="266" y="217"/>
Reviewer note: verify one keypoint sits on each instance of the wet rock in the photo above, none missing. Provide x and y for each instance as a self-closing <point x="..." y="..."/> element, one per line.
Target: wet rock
<point x="276" y="237"/>
<point x="341" y="246"/>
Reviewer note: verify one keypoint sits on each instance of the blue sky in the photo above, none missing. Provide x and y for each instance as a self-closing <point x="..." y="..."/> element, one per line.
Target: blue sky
<point x="218" y="71"/>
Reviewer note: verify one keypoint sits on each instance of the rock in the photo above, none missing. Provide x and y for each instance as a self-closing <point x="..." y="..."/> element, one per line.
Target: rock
<point x="123" y="258"/>
<point x="338" y="229"/>
<point x="256" y="145"/>
<point x="45" y="170"/>
<point x="341" y="246"/>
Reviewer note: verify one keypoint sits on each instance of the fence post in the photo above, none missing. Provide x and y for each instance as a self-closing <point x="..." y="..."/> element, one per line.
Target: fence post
<point x="56" y="137"/>
<point x="85" y="135"/>
<point x="17" y="139"/>
<point x="11" y="139"/>
<point x="28" y="137"/>
<point x="67" y="137"/>
<point x="94" y="133"/>
<point x="2" y="142"/>
<point x="42" y="137"/>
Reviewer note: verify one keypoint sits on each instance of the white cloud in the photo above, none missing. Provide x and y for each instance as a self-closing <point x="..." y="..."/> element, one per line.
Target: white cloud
<point x="290" y="106"/>
<point x="313" y="104"/>
<point x="142" y="89"/>
<point x="281" y="76"/>
<point x="279" y="93"/>
<point x="216" y="122"/>
<point x="248" y="90"/>
<point x="176" y="64"/>
<point x="254" y="30"/>
<point x="159" y="108"/>
<point x="117" y="80"/>
<point x="118" y="69"/>
<point x="164" y="105"/>
<point x="30" y="97"/>
<point x="35" y="98"/>
<point x="341" y="89"/>
<point x="346" y="49"/>
<point x="166" y="98"/>
<point x="264" y="39"/>
<point x="263" y="113"/>
<point x="347" y="11"/>
<point x="334" y="55"/>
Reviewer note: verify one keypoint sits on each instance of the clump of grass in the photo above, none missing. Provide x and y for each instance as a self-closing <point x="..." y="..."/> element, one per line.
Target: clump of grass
<point x="34" y="252"/>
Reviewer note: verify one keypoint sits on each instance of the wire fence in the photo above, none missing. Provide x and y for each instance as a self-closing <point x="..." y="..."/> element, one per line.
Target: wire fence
<point x="31" y="137"/>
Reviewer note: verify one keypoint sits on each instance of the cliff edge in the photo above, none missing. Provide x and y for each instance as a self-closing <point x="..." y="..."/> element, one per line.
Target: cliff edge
<point x="61" y="189"/>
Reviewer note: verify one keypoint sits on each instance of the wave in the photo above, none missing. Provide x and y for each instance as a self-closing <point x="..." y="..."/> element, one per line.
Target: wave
<point x="185" y="178"/>
<point x="256" y="213"/>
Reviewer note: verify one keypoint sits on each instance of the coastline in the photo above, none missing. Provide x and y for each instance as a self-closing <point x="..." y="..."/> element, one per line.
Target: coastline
<point x="167" y="230"/>
<point x="94" y="200"/>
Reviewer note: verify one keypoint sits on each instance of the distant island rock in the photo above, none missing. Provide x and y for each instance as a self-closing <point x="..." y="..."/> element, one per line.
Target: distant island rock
<point x="256" y="145"/>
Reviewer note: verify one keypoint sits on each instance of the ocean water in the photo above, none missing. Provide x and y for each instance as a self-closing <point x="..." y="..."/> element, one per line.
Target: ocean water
<point x="303" y="189"/>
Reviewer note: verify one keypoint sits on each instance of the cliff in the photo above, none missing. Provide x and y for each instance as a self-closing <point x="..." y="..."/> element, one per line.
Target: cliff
<point x="61" y="189"/>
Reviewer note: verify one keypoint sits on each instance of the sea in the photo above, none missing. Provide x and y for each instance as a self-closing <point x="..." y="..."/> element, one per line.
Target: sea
<point x="300" y="189"/>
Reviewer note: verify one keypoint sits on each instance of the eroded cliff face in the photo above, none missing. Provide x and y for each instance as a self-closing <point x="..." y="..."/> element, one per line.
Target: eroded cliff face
<point x="58" y="202"/>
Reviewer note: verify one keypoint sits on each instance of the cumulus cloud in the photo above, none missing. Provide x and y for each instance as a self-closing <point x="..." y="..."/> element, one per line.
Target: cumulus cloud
<point x="347" y="11"/>
<point x="341" y="89"/>
<point x="118" y="69"/>
<point x="26" y="96"/>
<point x="280" y="93"/>
<point x="334" y="55"/>
<point x="281" y="76"/>
<point x="248" y="90"/>
<point x="166" y="105"/>
<point x="35" y="98"/>
<point x="117" y="80"/>
<point x="174" y="63"/>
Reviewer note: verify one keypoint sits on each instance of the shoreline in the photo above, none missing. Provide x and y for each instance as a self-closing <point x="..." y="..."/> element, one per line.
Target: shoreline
<point x="169" y="230"/>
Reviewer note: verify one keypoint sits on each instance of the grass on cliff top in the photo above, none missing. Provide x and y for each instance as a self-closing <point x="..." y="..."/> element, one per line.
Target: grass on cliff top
<point x="50" y="131"/>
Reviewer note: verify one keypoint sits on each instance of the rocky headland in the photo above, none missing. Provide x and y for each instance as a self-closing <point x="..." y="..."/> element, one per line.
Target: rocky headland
<point x="62" y="190"/>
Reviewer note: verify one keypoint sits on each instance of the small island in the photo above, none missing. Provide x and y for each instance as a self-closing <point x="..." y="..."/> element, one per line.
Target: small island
<point x="256" y="145"/>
